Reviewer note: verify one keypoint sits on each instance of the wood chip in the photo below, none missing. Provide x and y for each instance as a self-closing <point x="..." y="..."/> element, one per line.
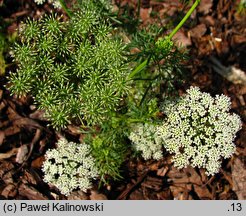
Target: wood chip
<point x="75" y="130"/>
<point x="231" y="73"/>
<point x="78" y="195"/>
<point x="21" y="154"/>
<point x="8" y="154"/>
<point x="162" y="171"/>
<point x="239" y="178"/>
<point x="9" y="191"/>
<point x="31" y="193"/>
<point x="203" y="192"/>
<point x="29" y="178"/>
<point x="5" y="166"/>
<point x="97" y="196"/>
<point x="152" y="183"/>
<point x="38" y="162"/>
<point x="10" y="131"/>
<point x="136" y="195"/>
<point x="2" y="106"/>
<point x="1" y="94"/>
<point x="39" y="115"/>
<point x="2" y="137"/>
<point x="8" y="177"/>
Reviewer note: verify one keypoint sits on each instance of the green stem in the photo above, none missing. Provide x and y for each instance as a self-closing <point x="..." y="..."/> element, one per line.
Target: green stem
<point x="143" y="64"/>
<point x="196" y="3"/>
<point x="65" y="8"/>
<point x="139" y="68"/>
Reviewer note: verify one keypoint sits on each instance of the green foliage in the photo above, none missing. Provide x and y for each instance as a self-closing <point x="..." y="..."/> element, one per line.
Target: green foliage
<point x="2" y="48"/>
<point x="74" y="69"/>
<point x="160" y="71"/>
<point x="109" y="148"/>
<point x="242" y="7"/>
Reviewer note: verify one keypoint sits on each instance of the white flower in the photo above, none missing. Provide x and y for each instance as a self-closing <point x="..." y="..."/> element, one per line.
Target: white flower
<point x="69" y="167"/>
<point x="199" y="130"/>
<point x="145" y="140"/>
<point x="55" y="3"/>
<point x="39" y="2"/>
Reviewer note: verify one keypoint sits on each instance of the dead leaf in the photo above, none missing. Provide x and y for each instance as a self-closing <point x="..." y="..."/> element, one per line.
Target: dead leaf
<point x="205" y="6"/>
<point x="181" y="39"/>
<point x="209" y="21"/>
<point x="198" y="31"/>
<point x="145" y="14"/>
<point x="183" y="181"/>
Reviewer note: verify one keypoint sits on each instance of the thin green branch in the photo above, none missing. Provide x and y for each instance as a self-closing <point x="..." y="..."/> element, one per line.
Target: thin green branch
<point x="184" y="19"/>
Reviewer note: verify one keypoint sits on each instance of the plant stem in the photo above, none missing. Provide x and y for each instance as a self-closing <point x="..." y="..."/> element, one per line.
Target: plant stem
<point x="139" y="68"/>
<point x="143" y="64"/>
<point x="196" y="3"/>
<point x="65" y="8"/>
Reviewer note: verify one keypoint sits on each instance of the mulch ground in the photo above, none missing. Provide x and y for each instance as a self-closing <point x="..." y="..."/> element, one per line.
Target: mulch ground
<point x="214" y="30"/>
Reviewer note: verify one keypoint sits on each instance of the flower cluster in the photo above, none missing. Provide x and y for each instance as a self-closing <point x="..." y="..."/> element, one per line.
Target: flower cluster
<point x="55" y="3"/>
<point x="199" y="130"/>
<point x="78" y="61"/>
<point x="145" y="140"/>
<point x="69" y="167"/>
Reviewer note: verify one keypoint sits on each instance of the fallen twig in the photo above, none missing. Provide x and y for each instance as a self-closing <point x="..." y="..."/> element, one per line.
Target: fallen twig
<point x="124" y="194"/>
<point x="231" y="73"/>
